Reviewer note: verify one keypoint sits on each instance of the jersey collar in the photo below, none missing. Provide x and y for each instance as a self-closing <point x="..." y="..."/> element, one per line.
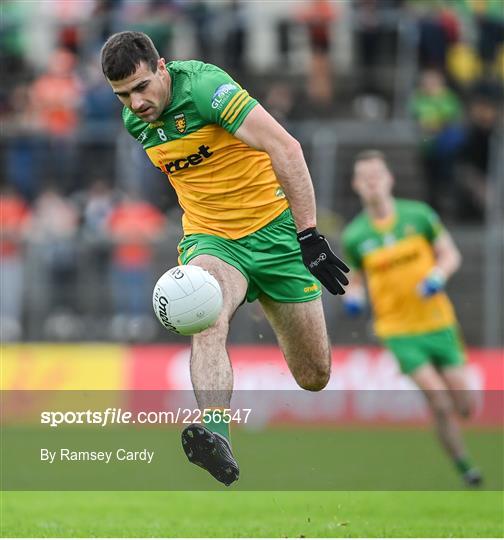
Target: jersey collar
<point x="386" y="224"/>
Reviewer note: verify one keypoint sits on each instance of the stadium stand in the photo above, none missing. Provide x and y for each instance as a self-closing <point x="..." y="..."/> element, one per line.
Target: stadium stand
<point x="372" y="55"/>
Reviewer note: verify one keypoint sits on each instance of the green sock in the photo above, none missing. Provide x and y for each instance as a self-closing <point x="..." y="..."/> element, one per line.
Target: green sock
<point x="217" y="424"/>
<point x="463" y="465"/>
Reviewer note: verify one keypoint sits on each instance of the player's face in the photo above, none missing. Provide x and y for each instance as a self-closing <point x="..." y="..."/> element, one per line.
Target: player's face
<point x="372" y="180"/>
<point x="145" y="93"/>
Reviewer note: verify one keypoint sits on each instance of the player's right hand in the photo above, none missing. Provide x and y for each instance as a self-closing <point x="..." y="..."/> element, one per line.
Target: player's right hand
<point x="322" y="262"/>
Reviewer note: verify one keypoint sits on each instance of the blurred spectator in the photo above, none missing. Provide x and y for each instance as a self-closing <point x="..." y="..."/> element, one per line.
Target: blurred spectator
<point x="200" y="15"/>
<point x="318" y="17"/>
<point x="14" y="220"/>
<point x="236" y="35"/>
<point x="472" y="178"/>
<point x="368" y="33"/>
<point x="438" y="27"/>
<point x="53" y="230"/>
<point x="98" y="127"/>
<point x="99" y="105"/>
<point x="133" y="226"/>
<point x="55" y="100"/>
<point x="463" y="65"/>
<point x="154" y="17"/>
<point x="96" y="204"/>
<point x="375" y="30"/>
<point x="70" y="16"/>
<point x="438" y="112"/>
<point x="12" y="42"/>
<point x="24" y="147"/>
<point x="490" y="18"/>
<point x="56" y="96"/>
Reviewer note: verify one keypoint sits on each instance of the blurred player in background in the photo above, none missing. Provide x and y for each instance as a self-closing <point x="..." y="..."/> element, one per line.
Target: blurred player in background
<point x="406" y="257"/>
<point x="249" y="219"/>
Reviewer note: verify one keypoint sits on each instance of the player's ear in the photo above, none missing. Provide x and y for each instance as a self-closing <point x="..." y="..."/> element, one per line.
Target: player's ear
<point x="161" y="64"/>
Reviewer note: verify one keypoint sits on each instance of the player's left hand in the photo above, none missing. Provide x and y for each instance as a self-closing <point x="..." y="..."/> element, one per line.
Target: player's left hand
<point x="354" y="305"/>
<point x="432" y="284"/>
<point x="322" y="262"/>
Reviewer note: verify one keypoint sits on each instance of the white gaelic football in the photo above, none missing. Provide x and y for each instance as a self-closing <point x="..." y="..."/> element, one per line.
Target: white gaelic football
<point x="187" y="299"/>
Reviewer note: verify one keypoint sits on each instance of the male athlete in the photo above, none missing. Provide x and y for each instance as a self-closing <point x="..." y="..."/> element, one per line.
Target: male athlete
<point x="407" y="256"/>
<point x="249" y="219"/>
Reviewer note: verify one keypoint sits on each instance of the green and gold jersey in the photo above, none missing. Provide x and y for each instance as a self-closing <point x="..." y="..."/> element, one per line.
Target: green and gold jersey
<point x="224" y="186"/>
<point x="395" y="257"/>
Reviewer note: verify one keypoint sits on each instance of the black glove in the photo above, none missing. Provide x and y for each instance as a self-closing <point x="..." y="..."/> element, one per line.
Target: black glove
<point x="322" y="262"/>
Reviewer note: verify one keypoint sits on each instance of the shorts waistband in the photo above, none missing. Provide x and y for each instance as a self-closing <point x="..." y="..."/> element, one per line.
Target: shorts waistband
<point x="286" y="215"/>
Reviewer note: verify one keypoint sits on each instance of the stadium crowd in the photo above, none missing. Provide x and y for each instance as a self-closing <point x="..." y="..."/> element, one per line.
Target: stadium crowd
<point x="62" y="184"/>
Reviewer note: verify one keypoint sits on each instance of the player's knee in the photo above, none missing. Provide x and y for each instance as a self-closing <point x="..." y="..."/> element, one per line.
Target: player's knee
<point x="314" y="379"/>
<point x="465" y="408"/>
<point x="441" y="407"/>
<point x="217" y="332"/>
<point x="464" y="412"/>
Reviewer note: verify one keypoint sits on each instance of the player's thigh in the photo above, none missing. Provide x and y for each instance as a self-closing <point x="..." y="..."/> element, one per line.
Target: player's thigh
<point x="409" y="351"/>
<point x="430" y="382"/>
<point x="457" y="380"/>
<point x="232" y="282"/>
<point x="301" y="332"/>
<point x="448" y="352"/>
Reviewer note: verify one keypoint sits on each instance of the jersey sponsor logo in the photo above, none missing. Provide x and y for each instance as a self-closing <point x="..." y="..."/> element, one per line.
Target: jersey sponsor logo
<point x="389" y="264"/>
<point x="312" y="288"/>
<point x="191" y="159"/>
<point x="221" y="94"/>
<point x="180" y="122"/>
<point x="280" y="193"/>
<point x="191" y="250"/>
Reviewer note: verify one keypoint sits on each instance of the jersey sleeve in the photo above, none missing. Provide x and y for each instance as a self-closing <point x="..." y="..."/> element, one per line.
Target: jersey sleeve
<point x="220" y="100"/>
<point x="432" y="225"/>
<point x="350" y="253"/>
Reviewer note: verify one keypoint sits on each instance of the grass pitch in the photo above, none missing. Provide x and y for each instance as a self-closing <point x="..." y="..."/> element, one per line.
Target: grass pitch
<point x="256" y="514"/>
<point x="364" y="458"/>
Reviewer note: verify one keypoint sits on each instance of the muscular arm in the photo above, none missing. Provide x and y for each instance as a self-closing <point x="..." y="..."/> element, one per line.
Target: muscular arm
<point x="262" y="132"/>
<point x="356" y="286"/>
<point x="447" y="263"/>
<point x="447" y="255"/>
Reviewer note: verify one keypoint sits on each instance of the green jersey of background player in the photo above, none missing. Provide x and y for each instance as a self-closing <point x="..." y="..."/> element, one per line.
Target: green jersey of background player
<point x="406" y="256"/>
<point x="249" y="219"/>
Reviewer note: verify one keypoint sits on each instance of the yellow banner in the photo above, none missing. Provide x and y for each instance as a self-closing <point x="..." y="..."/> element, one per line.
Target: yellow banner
<point x="63" y="367"/>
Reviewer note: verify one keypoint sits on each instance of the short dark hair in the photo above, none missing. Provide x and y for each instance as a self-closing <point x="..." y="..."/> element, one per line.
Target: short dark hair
<point x="122" y="53"/>
<point x="367" y="155"/>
